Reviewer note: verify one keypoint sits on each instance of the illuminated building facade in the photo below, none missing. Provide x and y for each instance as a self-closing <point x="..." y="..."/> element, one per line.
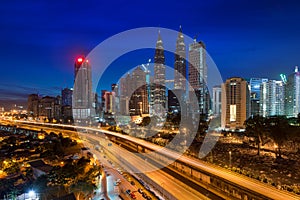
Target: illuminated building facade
<point x="198" y="75"/>
<point x="180" y="63"/>
<point x="159" y="79"/>
<point x="82" y="93"/>
<point x="235" y="103"/>
<point x="217" y="100"/>
<point x="134" y="93"/>
<point x="271" y="98"/>
<point x="178" y="95"/>
<point x="292" y="94"/>
<point x="255" y="84"/>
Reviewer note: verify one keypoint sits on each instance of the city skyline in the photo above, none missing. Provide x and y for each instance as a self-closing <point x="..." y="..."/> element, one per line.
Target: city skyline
<point x="234" y="40"/>
<point x="150" y="100"/>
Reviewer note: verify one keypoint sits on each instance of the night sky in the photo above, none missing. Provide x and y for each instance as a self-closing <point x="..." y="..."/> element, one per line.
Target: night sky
<point x="40" y="40"/>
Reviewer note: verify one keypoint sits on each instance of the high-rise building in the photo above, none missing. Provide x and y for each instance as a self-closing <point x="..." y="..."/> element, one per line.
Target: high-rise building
<point x="271" y="98"/>
<point x="159" y="79"/>
<point x="292" y="94"/>
<point x="198" y="75"/>
<point x="255" y="84"/>
<point x="108" y="101"/>
<point x="134" y="93"/>
<point x="138" y="103"/>
<point x="66" y="95"/>
<point x="82" y="93"/>
<point x="33" y="105"/>
<point x="50" y="108"/>
<point x="235" y="103"/>
<point x="180" y="63"/>
<point x="217" y="100"/>
<point x="173" y="103"/>
<point x="177" y="96"/>
<point x="125" y="83"/>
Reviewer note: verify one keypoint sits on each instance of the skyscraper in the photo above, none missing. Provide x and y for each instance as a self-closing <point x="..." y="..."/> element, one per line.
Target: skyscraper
<point x="159" y="78"/>
<point x="125" y="83"/>
<point x="33" y="105"/>
<point x="138" y="103"/>
<point x="198" y="75"/>
<point x="82" y="93"/>
<point x="134" y="93"/>
<point x="235" y="103"/>
<point x="255" y="84"/>
<point x="108" y="101"/>
<point x="292" y="94"/>
<point x="217" y="100"/>
<point x="66" y="95"/>
<point x="271" y="98"/>
<point x="180" y="63"/>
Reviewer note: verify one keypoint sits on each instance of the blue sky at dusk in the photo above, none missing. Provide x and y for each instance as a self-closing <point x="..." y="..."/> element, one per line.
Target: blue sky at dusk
<point x="39" y="40"/>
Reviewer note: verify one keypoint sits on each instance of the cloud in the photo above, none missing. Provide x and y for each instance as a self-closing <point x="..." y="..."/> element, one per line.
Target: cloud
<point x="20" y="92"/>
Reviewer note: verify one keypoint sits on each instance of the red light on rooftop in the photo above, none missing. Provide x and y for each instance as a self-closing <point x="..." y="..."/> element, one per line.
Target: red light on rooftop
<point x="79" y="60"/>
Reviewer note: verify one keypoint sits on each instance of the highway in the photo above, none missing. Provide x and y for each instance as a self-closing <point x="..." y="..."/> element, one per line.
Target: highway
<point x="107" y="191"/>
<point x="251" y="184"/>
<point x="169" y="183"/>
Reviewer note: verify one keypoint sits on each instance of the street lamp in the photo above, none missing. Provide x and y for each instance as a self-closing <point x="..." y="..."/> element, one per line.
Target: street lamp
<point x="31" y="195"/>
<point x="275" y="149"/>
<point x="229" y="158"/>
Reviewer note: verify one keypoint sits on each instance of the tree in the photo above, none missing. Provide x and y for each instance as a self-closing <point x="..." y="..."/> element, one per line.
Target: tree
<point x="256" y="127"/>
<point x="40" y="184"/>
<point x="82" y="189"/>
<point x="278" y="127"/>
<point x="298" y="119"/>
<point x="145" y="121"/>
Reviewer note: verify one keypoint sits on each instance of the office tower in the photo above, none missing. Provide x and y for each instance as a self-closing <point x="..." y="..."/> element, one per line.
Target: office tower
<point x="178" y="95"/>
<point x="159" y="79"/>
<point x="138" y="103"/>
<point x="66" y="95"/>
<point x="33" y="105"/>
<point x="82" y="93"/>
<point x="217" y="100"/>
<point x="198" y="75"/>
<point x="235" y="103"/>
<point x="173" y="103"/>
<point x="255" y="84"/>
<point x="272" y="98"/>
<point x="134" y="93"/>
<point x="180" y="63"/>
<point x="292" y="94"/>
<point x="114" y="88"/>
<point x="108" y="101"/>
<point x="49" y="108"/>
<point x="125" y="83"/>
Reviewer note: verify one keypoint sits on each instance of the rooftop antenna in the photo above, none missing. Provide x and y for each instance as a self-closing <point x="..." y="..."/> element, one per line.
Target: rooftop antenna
<point x="195" y="37"/>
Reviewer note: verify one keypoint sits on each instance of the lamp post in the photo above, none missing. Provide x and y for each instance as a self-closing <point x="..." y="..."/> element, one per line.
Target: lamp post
<point x="275" y="150"/>
<point x="229" y="158"/>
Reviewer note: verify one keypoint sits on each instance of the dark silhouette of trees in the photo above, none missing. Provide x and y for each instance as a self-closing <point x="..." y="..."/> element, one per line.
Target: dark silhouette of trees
<point x="256" y="127"/>
<point x="145" y="121"/>
<point x="279" y="131"/>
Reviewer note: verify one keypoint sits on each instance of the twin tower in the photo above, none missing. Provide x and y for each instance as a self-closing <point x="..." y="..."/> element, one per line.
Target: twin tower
<point x="137" y="98"/>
